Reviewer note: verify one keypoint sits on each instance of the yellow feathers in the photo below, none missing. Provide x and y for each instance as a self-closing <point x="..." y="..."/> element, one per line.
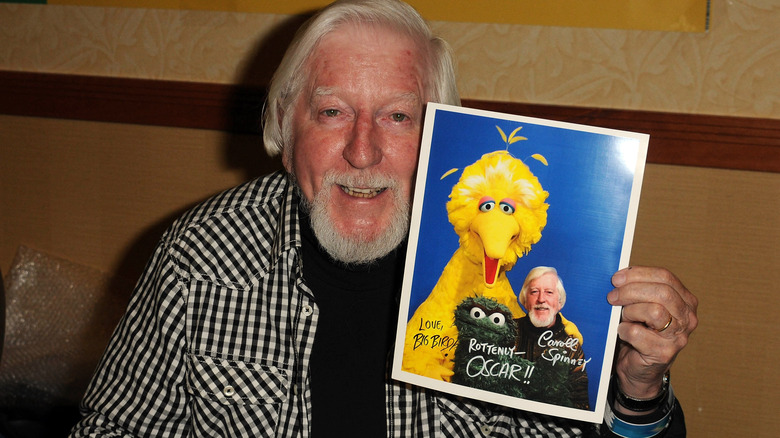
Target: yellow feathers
<point x="498" y="210"/>
<point x="500" y="176"/>
<point x="511" y="139"/>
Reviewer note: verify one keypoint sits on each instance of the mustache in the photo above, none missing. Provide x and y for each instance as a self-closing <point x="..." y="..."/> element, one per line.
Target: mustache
<point x="374" y="180"/>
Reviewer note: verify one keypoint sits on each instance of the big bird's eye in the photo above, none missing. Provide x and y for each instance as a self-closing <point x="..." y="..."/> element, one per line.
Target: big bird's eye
<point x="477" y="313"/>
<point x="486" y="204"/>
<point x="507" y="205"/>
<point x="498" y="319"/>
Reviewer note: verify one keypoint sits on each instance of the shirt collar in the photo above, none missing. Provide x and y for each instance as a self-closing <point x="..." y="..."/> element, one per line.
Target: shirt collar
<point x="288" y="232"/>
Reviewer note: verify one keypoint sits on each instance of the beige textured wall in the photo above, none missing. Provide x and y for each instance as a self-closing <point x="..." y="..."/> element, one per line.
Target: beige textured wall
<point x="100" y="194"/>
<point x="731" y="70"/>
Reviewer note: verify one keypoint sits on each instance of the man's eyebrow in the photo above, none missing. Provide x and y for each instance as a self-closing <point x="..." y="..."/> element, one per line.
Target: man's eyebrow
<point x="410" y="96"/>
<point x="322" y="91"/>
<point x="329" y="91"/>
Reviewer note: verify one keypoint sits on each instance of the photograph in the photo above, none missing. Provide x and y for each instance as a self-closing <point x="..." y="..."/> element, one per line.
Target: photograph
<point x="517" y="226"/>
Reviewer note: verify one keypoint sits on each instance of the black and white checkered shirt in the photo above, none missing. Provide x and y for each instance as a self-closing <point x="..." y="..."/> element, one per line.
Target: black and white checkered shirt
<point x="218" y="335"/>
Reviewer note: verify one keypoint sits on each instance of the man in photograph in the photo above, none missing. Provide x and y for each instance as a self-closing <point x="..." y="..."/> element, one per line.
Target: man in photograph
<point x="542" y="339"/>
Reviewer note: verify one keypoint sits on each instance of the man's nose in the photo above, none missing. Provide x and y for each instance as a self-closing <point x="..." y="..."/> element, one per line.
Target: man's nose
<point x="363" y="149"/>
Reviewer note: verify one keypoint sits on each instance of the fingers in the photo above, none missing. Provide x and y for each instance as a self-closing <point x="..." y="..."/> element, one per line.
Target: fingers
<point x="652" y="275"/>
<point x="651" y="351"/>
<point x="659" y="314"/>
<point x="647" y="325"/>
<point x="653" y="295"/>
<point x="666" y="326"/>
<point x="654" y="316"/>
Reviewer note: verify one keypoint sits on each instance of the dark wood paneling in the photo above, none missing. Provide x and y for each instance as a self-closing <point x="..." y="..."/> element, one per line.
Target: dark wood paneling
<point x="681" y="139"/>
<point x="127" y="100"/>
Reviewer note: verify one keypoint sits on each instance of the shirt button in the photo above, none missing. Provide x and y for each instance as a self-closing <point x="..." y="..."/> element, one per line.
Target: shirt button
<point x="228" y="391"/>
<point x="486" y="429"/>
<point x="307" y="310"/>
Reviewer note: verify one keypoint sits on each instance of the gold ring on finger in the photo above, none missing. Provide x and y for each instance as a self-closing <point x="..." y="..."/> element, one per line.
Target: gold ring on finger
<point x="668" y="323"/>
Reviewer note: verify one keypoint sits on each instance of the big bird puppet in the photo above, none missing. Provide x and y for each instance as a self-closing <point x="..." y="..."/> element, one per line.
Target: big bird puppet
<point x="498" y="210"/>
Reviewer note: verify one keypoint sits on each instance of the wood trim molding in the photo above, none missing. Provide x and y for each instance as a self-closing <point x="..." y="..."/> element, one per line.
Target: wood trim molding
<point x="679" y="139"/>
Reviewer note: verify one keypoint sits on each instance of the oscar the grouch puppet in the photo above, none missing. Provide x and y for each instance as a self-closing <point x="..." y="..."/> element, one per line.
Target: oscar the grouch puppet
<point x="486" y="356"/>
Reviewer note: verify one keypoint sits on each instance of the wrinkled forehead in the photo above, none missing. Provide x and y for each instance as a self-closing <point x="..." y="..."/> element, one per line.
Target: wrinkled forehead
<point x="347" y="39"/>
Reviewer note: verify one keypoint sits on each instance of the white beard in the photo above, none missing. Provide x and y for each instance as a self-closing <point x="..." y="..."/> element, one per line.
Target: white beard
<point x="357" y="248"/>
<point x="541" y="322"/>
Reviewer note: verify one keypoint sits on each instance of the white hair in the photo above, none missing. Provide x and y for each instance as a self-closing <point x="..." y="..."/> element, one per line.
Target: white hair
<point x="535" y="273"/>
<point x="289" y="79"/>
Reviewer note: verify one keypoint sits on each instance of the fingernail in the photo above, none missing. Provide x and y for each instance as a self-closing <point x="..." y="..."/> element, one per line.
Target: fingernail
<point x="619" y="278"/>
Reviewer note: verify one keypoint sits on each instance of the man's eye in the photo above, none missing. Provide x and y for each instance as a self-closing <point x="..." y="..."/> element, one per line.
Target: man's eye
<point x="398" y="117"/>
<point x="331" y="112"/>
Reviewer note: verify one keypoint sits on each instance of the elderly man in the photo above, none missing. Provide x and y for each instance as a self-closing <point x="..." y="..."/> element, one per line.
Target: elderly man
<point x="268" y="310"/>
<point x="541" y="338"/>
<point x="542" y="296"/>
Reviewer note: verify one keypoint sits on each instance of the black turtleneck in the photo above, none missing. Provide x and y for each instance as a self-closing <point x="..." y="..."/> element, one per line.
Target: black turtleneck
<point x="358" y="307"/>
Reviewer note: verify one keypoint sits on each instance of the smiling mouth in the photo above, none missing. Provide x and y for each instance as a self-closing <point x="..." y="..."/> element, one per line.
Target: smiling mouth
<point x="362" y="193"/>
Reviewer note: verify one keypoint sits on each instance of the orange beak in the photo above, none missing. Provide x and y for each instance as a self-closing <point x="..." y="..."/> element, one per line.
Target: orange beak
<point x="496" y="231"/>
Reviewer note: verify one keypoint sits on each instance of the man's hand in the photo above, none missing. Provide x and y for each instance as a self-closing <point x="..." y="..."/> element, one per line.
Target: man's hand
<point x="659" y="314"/>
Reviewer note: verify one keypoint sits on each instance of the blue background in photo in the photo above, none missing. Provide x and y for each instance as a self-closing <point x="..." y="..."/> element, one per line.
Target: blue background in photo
<point x="589" y="178"/>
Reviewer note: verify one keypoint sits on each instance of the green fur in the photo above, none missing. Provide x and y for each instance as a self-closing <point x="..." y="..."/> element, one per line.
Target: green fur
<point x="547" y="383"/>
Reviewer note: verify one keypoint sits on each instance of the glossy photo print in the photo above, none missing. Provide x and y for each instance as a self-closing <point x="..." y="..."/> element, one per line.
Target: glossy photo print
<point x="517" y="227"/>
